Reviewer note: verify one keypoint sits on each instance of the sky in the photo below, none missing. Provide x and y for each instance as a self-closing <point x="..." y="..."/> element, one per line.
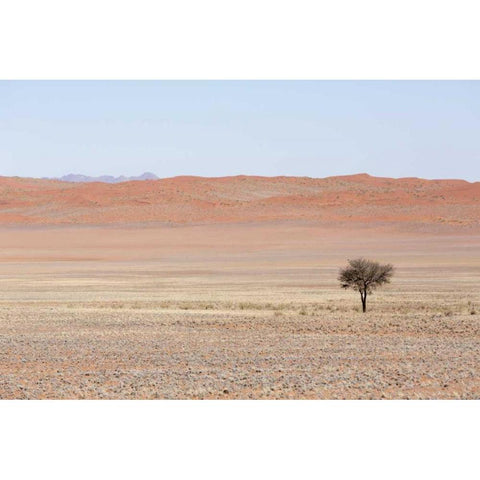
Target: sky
<point x="428" y="129"/>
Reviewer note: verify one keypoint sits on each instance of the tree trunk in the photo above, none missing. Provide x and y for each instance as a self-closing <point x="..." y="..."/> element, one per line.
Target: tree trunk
<point x="364" y="301"/>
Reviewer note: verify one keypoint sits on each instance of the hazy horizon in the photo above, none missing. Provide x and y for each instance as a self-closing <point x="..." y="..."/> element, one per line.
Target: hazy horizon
<point x="318" y="129"/>
<point x="106" y="174"/>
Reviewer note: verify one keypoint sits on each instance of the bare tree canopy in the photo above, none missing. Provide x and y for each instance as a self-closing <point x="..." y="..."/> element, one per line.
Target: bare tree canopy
<point x="365" y="276"/>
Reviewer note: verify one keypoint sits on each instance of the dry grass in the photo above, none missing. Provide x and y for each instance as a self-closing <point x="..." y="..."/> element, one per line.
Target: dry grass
<point x="269" y="323"/>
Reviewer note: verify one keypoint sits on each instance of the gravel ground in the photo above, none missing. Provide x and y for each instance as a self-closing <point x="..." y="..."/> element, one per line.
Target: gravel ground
<point x="65" y="353"/>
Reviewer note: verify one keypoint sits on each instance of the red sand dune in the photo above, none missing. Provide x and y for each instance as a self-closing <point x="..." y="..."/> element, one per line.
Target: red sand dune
<point x="355" y="198"/>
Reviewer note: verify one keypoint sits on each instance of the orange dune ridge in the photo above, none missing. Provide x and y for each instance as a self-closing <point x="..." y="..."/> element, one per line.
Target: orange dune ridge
<point x="188" y="199"/>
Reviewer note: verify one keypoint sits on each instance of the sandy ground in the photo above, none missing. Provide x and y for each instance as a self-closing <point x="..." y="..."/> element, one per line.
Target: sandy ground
<point x="235" y="311"/>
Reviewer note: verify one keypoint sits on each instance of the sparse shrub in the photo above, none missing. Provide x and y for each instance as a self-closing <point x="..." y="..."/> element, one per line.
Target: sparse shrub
<point x="471" y="308"/>
<point x="302" y="312"/>
<point x="256" y="306"/>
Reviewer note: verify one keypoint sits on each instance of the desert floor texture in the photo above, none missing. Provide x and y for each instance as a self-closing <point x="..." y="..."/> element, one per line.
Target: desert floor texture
<point x="236" y="311"/>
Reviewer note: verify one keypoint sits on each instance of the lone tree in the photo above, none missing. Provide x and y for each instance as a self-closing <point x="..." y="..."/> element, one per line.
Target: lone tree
<point x="364" y="276"/>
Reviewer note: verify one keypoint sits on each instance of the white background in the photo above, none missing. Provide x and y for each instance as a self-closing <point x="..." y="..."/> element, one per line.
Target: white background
<point x="239" y="39"/>
<point x="239" y="439"/>
<point x="245" y="39"/>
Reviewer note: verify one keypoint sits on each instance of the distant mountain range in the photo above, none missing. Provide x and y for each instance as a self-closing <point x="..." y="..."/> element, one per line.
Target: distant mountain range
<point x="72" y="177"/>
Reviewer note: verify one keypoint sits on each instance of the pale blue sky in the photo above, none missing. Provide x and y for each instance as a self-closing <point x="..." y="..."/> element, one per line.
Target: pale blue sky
<point x="428" y="129"/>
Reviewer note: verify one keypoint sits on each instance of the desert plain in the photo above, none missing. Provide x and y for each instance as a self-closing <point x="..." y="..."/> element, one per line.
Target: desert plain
<point x="239" y="299"/>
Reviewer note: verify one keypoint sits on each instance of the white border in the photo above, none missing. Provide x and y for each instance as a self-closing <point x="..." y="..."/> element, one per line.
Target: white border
<point x="239" y="439"/>
<point x="185" y="39"/>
